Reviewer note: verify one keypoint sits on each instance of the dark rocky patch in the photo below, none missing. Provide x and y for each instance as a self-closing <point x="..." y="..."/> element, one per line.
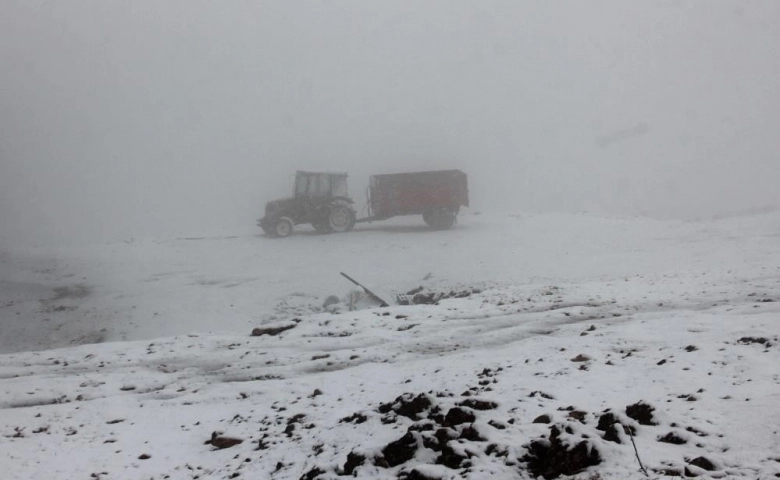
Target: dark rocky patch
<point x="672" y="438"/>
<point x="477" y="404"/>
<point x="759" y="340"/>
<point x="312" y="474"/>
<point x="444" y="435"/>
<point x="415" y="474"/>
<point x="541" y="394"/>
<point x="642" y="413"/>
<point x="407" y="405"/>
<point x="554" y="456"/>
<point x="449" y="457"/>
<point x="399" y="451"/>
<point x="354" y="460"/>
<point x="355" y="418"/>
<point x="703" y="463"/>
<point x="696" y="431"/>
<point x="545" y="418"/>
<point x="606" y="420"/>
<point x="457" y="416"/>
<point x="421" y="296"/>
<point x="610" y="424"/>
<point x="424" y="426"/>
<point x="257" y="332"/>
<point x="497" y="425"/>
<point x="691" y="348"/>
<point x="497" y="450"/>
<point x="578" y="415"/>
<point x="471" y="434"/>
<point x="220" y="442"/>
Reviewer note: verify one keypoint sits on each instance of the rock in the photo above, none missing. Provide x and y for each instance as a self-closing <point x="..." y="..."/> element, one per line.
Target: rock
<point x="611" y="425"/>
<point x="703" y="463"/>
<point x="220" y="442"/>
<point x="257" y="332"/>
<point x="355" y="418"/>
<point x="477" y="404"/>
<point x="497" y="425"/>
<point x="312" y="474"/>
<point x="759" y="340"/>
<point x="424" y="426"/>
<point x="554" y="456"/>
<point x="444" y="435"/>
<point x="606" y="420"/>
<point x="144" y="456"/>
<point x="581" y="358"/>
<point x="458" y="416"/>
<point x="578" y="415"/>
<point x="541" y="394"/>
<point x="354" y="460"/>
<point x="416" y="474"/>
<point x="400" y="451"/>
<point x="471" y="434"/>
<point x="672" y="438"/>
<point x="642" y="413"/>
<point x="546" y="418"/>
<point x="449" y="457"/>
<point x="408" y="405"/>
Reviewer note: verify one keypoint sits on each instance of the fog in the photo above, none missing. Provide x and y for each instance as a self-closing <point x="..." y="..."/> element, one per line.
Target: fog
<point x="127" y="120"/>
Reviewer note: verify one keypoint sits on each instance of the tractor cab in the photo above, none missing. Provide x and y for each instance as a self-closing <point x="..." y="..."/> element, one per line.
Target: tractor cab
<point x="320" y="185"/>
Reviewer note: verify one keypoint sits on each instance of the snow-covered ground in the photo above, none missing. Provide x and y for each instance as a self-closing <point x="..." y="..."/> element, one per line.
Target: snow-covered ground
<point x="143" y="349"/>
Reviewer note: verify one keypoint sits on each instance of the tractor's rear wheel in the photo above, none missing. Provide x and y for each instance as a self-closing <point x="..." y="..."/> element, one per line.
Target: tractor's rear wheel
<point x="440" y="218"/>
<point x="283" y="227"/>
<point x="340" y="219"/>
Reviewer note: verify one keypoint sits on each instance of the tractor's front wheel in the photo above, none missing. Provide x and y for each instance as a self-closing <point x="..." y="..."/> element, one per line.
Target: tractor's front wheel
<point x="341" y="219"/>
<point x="283" y="227"/>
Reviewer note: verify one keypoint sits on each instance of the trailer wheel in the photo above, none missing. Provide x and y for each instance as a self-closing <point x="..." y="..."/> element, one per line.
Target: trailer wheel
<point x="440" y="218"/>
<point x="283" y="227"/>
<point x="341" y="219"/>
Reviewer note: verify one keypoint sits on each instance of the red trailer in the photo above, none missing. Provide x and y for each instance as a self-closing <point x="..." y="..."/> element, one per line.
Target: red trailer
<point x="437" y="196"/>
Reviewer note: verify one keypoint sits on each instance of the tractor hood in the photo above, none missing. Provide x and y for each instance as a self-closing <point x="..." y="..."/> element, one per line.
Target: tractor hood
<point x="275" y="206"/>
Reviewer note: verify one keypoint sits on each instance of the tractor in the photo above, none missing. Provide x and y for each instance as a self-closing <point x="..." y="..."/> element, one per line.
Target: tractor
<point x="319" y="198"/>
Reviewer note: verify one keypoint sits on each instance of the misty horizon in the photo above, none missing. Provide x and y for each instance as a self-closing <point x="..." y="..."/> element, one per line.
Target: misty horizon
<point x="145" y="119"/>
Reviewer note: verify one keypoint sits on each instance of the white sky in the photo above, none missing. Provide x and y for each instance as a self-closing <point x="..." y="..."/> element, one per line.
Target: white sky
<point x="129" y="119"/>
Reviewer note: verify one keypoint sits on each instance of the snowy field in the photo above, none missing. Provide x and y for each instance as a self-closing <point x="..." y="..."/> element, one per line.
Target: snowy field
<point x="566" y="340"/>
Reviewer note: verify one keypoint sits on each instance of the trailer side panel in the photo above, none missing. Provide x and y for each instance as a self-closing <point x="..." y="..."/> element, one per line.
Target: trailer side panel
<point x="414" y="193"/>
